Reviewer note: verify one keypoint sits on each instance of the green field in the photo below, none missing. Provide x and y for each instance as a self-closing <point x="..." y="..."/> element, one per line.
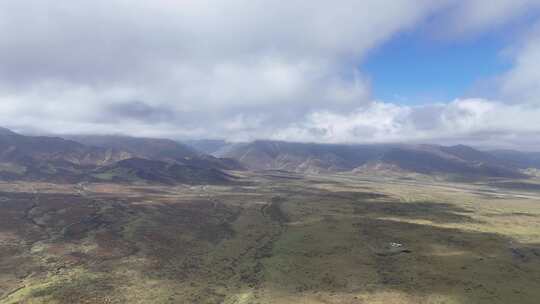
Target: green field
<point x="273" y="238"/>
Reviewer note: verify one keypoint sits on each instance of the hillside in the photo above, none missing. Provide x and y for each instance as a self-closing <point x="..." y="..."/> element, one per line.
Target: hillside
<point x="519" y="159"/>
<point x="139" y="169"/>
<point x="19" y="148"/>
<point x="302" y="157"/>
<point x="55" y="159"/>
<point x="316" y="158"/>
<point x="428" y="159"/>
<point x="208" y="146"/>
<point x="158" y="149"/>
<point x="162" y="160"/>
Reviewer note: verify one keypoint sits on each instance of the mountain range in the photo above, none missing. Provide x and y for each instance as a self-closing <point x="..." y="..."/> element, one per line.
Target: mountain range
<point x="456" y="160"/>
<point x="107" y="158"/>
<point x="79" y="158"/>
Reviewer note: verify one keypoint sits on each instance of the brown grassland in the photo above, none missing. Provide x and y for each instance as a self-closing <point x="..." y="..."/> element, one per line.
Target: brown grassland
<point x="272" y="238"/>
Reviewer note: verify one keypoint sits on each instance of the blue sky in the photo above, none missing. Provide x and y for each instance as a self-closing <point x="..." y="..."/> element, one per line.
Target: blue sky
<point x="416" y="68"/>
<point x="443" y="71"/>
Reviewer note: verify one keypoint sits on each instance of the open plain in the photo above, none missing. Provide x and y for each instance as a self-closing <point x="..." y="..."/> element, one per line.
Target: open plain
<point x="273" y="237"/>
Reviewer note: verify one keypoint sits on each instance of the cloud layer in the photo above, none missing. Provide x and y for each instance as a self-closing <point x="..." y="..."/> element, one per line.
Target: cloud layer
<point x="467" y="121"/>
<point x="241" y="70"/>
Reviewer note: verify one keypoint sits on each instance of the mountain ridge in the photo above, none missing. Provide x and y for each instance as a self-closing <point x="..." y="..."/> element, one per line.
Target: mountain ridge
<point x="59" y="159"/>
<point x="332" y="158"/>
<point x="79" y="157"/>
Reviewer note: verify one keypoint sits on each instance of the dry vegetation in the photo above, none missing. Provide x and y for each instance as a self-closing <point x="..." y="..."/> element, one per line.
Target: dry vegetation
<point x="276" y="238"/>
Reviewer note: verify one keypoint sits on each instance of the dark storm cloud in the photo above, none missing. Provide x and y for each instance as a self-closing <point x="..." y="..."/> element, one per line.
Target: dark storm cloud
<point x="139" y="111"/>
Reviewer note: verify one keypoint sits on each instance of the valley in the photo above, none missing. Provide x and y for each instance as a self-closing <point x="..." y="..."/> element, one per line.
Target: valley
<point x="272" y="237"/>
<point x="270" y="152"/>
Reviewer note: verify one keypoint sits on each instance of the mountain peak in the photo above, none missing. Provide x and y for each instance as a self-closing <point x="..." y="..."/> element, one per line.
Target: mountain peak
<point x="5" y="131"/>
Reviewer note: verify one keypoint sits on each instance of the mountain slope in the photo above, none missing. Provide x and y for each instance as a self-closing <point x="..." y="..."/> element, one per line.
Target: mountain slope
<point x="302" y="157"/>
<point x="19" y="148"/>
<point x="519" y="159"/>
<point x="140" y="169"/>
<point x="456" y="160"/>
<point x="158" y="149"/>
<point x="124" y="158"/>
<point x="208" y="146"/>
<point x="143" y="147"/>
<point x="50" y="158"/>
<point x="314" y="158"/>
<point x="60" y="160"/>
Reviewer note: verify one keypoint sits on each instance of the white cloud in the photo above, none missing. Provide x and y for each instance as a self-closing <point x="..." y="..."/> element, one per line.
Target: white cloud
<point x="68" y="61"/>
<point x="476" y="121"/>
<point x="522" y="83"/>
<point x="239" y="69"/>
<point x="473" y="16"/>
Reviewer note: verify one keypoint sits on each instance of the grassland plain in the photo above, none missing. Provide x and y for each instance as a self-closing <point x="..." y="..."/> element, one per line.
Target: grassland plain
<point x="273" y="238"/>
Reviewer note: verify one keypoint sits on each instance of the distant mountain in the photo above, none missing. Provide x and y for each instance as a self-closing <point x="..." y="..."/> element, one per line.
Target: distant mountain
<point x="315" y="158"/>
<point x="50" y="158"/>
<point x="208" y="146"/>
<point x="456" y="160"/>
<point x="302" y="157"/>
<point x="158" y="149"/>
<point x="4" y="132"/>
<point x="122" y="158"/>
<point x="142" y="147"/>
<point x="16" y="147"/>
<point x="521" y="160"/>
<point x="64" y="160"/>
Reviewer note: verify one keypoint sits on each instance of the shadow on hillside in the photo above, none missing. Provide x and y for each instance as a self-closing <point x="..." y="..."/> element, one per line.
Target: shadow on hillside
<point x="435" y="212"/>
<point x="418" y="260"/>
<point x="171" y="235"/>
<point x="362" y="254"/>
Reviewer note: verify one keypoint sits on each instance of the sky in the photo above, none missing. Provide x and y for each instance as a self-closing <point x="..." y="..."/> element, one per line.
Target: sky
<point x="346" y="71"/>
<point x="414" y="69"/>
